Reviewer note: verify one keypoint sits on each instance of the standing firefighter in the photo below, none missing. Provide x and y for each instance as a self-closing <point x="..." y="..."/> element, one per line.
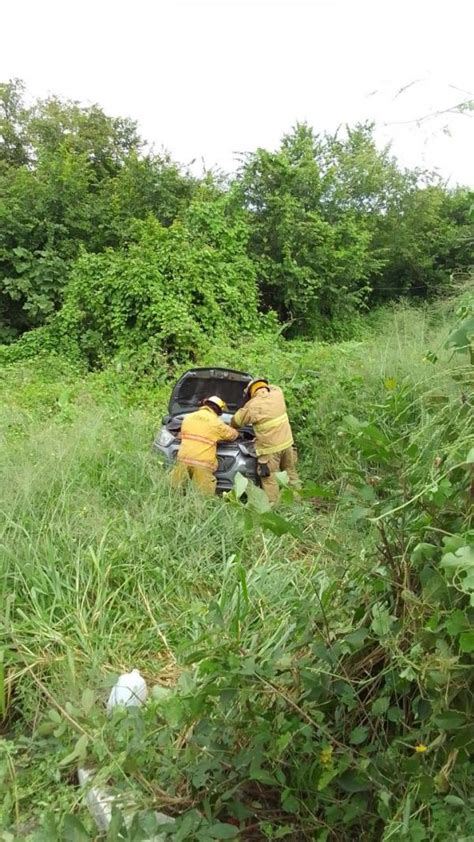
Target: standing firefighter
<point x="265" y="410"/>
<point x="200" y="432"/>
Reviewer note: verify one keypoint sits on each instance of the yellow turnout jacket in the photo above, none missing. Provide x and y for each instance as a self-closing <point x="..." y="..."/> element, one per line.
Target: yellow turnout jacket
<point x="200" y="432"/>
<point x="267" y="414"/>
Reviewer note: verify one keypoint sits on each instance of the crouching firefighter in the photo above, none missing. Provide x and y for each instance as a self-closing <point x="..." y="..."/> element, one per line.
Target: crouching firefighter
<point x="265" y="410"/>
<point x="197" y="456"/>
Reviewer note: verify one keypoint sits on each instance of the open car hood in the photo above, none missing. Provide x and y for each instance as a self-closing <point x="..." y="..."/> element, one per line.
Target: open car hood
<point x="200" y="383"/>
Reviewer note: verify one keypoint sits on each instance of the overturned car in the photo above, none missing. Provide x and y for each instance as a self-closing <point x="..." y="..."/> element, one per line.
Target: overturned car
<point x="188" y="393"/>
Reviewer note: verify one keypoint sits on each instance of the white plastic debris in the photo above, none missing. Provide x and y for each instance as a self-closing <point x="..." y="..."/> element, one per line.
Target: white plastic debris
<point x="130" y="690"/>
<point x="100" y="802"/>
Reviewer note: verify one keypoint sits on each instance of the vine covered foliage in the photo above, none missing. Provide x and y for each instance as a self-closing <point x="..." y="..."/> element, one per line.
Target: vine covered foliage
<point x="181" y="286"/>
<point x="319" y="230"/>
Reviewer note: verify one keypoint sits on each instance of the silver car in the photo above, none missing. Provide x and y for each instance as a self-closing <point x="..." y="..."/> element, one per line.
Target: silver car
<point x="189" y="391"/>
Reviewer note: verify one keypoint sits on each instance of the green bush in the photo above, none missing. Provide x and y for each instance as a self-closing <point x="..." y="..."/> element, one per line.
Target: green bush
<point x="335" y="223"/>
<point x="71" y="177"/>
<point x="180" y="288"/>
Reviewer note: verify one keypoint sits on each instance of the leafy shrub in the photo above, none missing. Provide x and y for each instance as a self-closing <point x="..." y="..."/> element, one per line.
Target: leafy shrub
<point x="180" y="287"/>
<point x="335" y="223"/>
<point x="461" y="338"/>
<point x="70" y="177"/>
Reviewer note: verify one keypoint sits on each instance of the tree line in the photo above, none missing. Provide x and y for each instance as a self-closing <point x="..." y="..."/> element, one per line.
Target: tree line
<point x="112" y="243"/>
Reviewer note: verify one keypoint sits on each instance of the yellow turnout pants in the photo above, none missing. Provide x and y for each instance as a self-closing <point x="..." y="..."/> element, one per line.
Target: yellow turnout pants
<point x="284" y="460"/>
<point x="202" y="478"/>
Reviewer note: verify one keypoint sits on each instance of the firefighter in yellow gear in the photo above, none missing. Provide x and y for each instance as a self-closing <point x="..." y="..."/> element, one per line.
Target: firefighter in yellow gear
<point x="265" y="410"/>
<point x="197" y="457"/>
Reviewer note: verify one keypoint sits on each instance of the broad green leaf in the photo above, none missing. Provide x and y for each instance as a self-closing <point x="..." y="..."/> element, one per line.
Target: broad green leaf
<point x="195" y="657"/>
<point x="456" y="622"/>
<point x="87" y="700"/>
<point x="240" y="485"/>
<point x="466" y="641"/>
<point x="290" y="804"/>
<point x="353" y="423"/>
<point x="380" y="706"/>
<point x="359" y="735"/>
<point x="433" y="584"/>
<point x="460" y="339"/>
<point x="257" y="500"/>
<point x="451" y="543"/>
<point x="360" y="513"/>
<point x="221" y="830"/>
<point x="326" y="777"/>
<point x="367" y="493"/>
<point x="394" y="714"/>
<point x="454" y="800"/>
<point x="450" y="720"/>
<point x="74" y="830"/>
<point x="385" y="796"/>
<point x="468" y="581"/>
<point x="352" y="781"/>
<point x="408" y="673"/>
<point x="422" y="551"/>
<point x="284" y="830"/>
<point x="462" y="559"/>
<point x="356" y="638"/>
<point x="470" y="457"/>
<point x="78" y="753"/>
<point x="263" y="776"/>
<point x="278" y="524"/>
<point x="116" y="828"/>
<point x="187" y="824"/>
<point x="160" y="693"/>
<point x="382" y="621"/>
<point x="282" y="479"/>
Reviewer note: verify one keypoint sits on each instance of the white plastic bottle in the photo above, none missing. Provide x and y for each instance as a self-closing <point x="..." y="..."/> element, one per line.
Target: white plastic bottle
<point x="129" y="690"/>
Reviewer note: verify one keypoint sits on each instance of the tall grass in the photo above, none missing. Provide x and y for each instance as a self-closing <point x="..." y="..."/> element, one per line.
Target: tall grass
<point x="103" y="567"/>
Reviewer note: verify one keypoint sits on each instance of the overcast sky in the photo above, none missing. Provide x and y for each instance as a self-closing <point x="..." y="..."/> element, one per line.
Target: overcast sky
<point x="209" y="79"/>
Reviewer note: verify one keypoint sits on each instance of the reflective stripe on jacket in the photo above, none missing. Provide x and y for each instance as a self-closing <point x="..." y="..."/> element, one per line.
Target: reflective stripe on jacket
<point x="266" y="412"/>
<point x="200" y="432"/>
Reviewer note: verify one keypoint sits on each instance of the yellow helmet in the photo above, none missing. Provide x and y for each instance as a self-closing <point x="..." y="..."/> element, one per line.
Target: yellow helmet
<point x="216" y="403"/>
<point x="254" y="385"/>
